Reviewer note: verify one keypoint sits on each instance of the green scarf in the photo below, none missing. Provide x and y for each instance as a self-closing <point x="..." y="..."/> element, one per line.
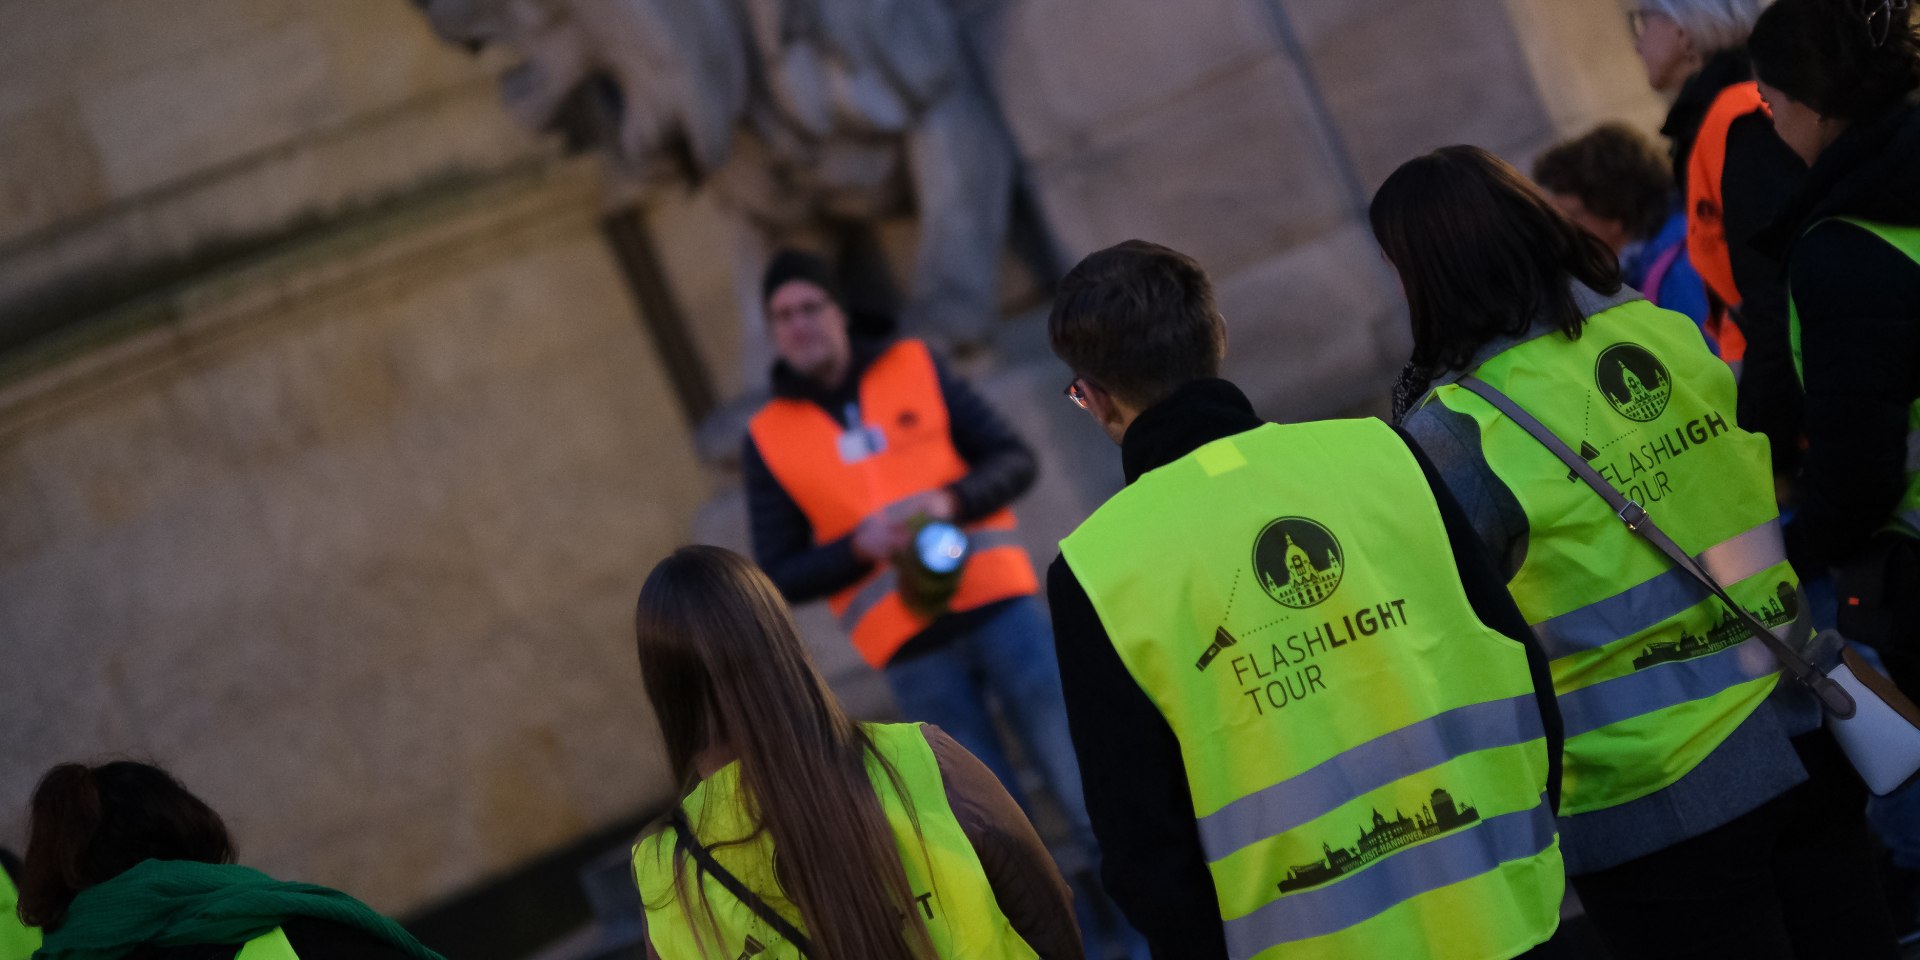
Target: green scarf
<point x="172" y="903"/>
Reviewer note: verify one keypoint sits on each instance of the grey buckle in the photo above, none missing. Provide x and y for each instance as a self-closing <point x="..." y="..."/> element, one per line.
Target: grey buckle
<point x="1633" y="515"/>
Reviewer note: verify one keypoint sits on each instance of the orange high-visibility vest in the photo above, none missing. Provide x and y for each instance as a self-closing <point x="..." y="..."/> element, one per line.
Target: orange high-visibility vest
<point x="899" y="396"/>
<point x="1706" y="224"/>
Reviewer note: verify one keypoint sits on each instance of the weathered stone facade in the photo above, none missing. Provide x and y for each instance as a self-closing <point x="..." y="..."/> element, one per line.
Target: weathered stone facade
<point x="335" y="483"/>
<point x="351" y="545"/>
<point x="343" y="527"/>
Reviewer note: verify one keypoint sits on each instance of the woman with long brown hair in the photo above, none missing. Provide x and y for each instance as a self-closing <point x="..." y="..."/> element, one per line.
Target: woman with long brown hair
<point x="1694" y="822"/>
<point x="800" y="832"/>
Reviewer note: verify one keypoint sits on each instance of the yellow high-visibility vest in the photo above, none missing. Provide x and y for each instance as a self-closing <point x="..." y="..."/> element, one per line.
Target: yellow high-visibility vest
<point x="701" y="919"/>
<point x="1366" y="757"/>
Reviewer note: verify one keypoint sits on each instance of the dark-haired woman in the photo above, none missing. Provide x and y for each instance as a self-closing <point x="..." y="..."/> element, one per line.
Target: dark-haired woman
<point x="1839" y="76"/>
<point x="802" y="833"/>
<point x="122" y="861"/>
<point x="1687" y="823"/>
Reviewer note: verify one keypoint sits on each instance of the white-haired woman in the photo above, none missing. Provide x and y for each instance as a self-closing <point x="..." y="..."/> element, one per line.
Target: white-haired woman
<point x="1734" y="172"/>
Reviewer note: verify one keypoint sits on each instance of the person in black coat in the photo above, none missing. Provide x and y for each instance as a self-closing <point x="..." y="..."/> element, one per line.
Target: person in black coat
<point x="962" y="661"/>
<point x="1839" y="76"/>
<point x="1130" y="758"/>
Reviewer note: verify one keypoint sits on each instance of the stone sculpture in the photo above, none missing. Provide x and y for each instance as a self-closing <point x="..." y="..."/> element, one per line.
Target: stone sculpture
<point x="797" y="113"/>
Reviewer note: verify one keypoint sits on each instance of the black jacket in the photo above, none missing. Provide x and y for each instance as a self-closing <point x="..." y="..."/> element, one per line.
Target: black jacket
<point x="1136" y="787"/>
<point x="1000" y="467"/>
<point x="1859" y="302"/>
<point x="1759" y="174"/>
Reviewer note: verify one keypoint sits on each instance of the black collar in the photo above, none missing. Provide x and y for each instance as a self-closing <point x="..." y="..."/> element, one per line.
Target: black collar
<point x="1194" y="415"/>
<point x="1872" y="171"/>
<point x="789" y="384"/>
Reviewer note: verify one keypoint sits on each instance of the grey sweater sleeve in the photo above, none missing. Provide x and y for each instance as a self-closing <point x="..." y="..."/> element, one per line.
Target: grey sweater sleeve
<point x="1451" y="441"/>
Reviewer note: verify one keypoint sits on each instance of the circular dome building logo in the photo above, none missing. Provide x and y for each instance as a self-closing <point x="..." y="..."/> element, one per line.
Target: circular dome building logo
<point x="1297" y="561"/>
<point x="1635" y="384"/>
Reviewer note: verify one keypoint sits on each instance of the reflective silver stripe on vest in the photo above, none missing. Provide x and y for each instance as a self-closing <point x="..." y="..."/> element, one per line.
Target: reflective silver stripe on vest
<point x="1313" y="793"/>
<point x="1668" y="684"/>
<point x="1393" y="879"/>
<point x="869" y="596"/>
<point x="1649" y="602"/>
<point x="877" y="589"/>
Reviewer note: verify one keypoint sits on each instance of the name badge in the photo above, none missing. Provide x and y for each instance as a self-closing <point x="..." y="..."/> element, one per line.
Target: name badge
<point x="860" y="442"/>
<point x="861" y="439"/>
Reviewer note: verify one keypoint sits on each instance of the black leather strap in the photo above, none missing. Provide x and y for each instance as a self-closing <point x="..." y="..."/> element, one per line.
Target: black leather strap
<point x="1837" y="701"/>
<point x="685" y="841"/>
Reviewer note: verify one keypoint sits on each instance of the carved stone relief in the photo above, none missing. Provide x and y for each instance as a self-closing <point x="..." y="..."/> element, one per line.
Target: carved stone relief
<point x="797" y="113"/>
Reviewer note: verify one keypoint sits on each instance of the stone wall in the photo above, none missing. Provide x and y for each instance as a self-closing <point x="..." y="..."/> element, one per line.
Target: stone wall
<point x="139" y="143"/>
<point x="336" y="498"/>
<point x="1251" y="134"/>
<point x="350" y="543"/>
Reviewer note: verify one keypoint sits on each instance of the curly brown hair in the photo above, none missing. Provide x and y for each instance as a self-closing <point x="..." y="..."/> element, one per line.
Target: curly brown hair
<point x="1617" y="172"/>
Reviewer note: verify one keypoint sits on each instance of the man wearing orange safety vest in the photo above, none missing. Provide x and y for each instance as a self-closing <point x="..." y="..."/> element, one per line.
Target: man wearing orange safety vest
<point x="1737" y="173"/>
<point x="863" y="441"/>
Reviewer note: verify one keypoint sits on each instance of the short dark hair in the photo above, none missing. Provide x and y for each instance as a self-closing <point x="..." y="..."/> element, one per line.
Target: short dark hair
<point x="1617" y="172"/>
<point x="1829" y="55"/>
<point x="1481" y="253"/>
<point x="1138" y="320"/>
<point x="91" y="824"/>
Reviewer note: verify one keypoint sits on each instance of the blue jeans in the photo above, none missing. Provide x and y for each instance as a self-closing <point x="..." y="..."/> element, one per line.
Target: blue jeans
<point x="1008" y="659"/>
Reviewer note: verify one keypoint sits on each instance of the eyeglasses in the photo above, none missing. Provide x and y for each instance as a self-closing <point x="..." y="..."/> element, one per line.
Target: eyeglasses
<point x="1076" y="393"/>
<point x="1880" y="20"/>
<point x="808" y="309"/>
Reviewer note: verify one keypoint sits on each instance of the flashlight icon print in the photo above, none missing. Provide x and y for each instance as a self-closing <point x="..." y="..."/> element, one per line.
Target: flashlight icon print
<point x="1221" y="640"/>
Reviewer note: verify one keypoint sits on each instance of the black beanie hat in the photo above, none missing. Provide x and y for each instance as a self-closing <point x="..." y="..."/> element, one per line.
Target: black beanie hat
<point x="791" y="265"/>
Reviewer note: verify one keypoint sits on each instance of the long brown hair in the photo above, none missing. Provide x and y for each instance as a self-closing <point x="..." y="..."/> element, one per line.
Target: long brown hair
<point x="1481" y="253"/>
<point x="91" y="824"/>
<point x="723" y="663"/>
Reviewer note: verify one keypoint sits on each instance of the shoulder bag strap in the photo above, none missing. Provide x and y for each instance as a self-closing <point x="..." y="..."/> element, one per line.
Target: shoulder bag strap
<point x="684" y="840"/>
<point x="1837" y="701"/>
